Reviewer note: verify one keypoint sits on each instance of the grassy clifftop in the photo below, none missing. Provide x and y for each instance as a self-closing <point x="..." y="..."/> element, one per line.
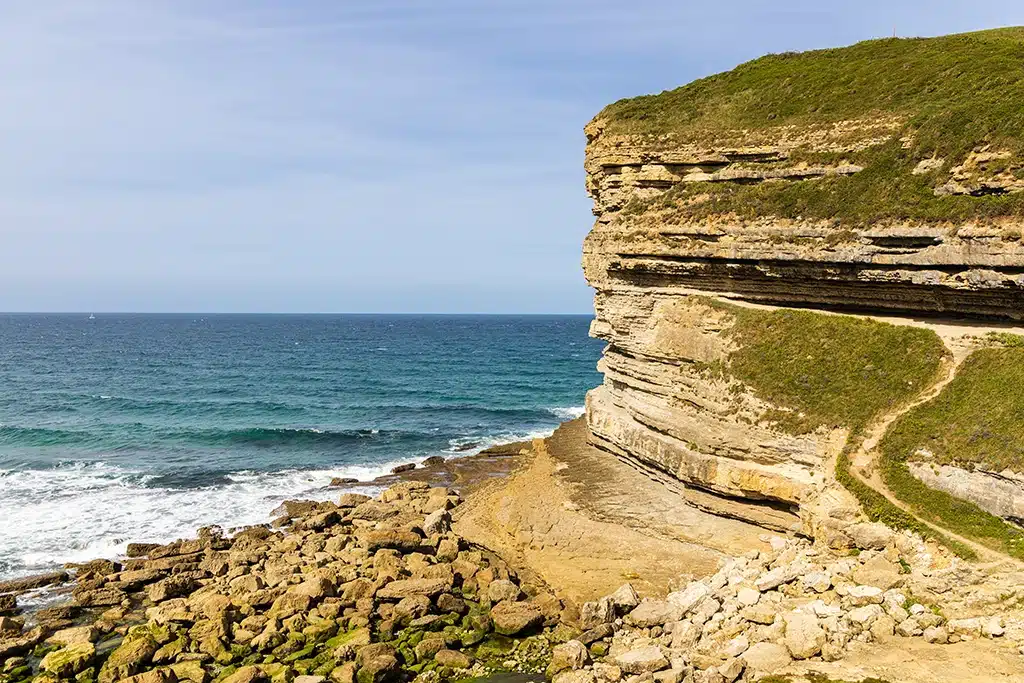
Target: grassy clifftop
<point x="941" y="98"/>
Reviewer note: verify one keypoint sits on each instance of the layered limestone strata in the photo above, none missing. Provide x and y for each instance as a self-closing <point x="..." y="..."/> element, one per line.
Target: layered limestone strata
<point x="974" y="269"/>
<point x="665" y="402"/>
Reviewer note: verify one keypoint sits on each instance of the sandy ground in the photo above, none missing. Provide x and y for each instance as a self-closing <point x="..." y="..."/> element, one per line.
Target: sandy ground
<point x="587" y="523"/>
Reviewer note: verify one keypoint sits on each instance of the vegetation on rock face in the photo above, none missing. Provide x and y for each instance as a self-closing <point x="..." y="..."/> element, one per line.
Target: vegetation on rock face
<point x="978" y="419"/>
<point x="949" y="95"/>
<point x="837" y="371"/>
<point x="830" y="370"/>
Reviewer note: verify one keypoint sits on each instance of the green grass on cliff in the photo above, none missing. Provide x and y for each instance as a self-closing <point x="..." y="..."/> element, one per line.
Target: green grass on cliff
<point x="830" y="370"/>
<point x="953" y="94"/>
<point x="837" y="371"/>
<point x="977" y="419"/>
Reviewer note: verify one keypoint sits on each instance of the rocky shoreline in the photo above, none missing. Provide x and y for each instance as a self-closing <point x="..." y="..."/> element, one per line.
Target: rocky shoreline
<point x="365" y="590"/>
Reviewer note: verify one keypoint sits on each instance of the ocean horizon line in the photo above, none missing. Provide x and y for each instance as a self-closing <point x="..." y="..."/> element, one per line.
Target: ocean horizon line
<point x="303" y="313"/>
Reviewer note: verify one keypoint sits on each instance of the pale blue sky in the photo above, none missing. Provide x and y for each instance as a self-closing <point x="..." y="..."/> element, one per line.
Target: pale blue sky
<point x="346" y="155"/>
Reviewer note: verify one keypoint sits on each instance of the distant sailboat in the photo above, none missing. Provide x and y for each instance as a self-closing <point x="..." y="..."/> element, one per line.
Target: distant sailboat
<point x="92" y="317"/>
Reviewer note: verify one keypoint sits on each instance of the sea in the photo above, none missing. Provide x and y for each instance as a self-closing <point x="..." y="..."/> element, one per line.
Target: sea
<point x="117" y="428"/>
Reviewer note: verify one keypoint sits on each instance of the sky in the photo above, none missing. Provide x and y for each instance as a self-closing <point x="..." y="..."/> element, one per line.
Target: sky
<point x="347" y="155"/>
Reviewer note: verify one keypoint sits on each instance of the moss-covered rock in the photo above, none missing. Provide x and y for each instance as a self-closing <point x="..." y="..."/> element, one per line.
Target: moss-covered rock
<point x="134" y="653"/>
<point x="69" y="661"/>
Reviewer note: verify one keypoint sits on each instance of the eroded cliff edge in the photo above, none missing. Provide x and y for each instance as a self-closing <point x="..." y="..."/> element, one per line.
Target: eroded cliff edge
<point x="881" y="181"/>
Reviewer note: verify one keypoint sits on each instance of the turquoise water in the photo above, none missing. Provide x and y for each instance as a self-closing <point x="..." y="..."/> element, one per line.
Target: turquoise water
<point x="145" y="427"/>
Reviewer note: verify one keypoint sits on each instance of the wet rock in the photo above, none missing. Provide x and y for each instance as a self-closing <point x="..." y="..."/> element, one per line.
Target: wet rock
<point x="140" y="549"/>
<point x="434" y="461"/>
<point x="343" y="481"/>
<point x="28" y="583"/>
<point x="408" y="467"/>
<point x="101" y="597"/>
<point x="10" y="626"/>
<point x="8" y="603"/>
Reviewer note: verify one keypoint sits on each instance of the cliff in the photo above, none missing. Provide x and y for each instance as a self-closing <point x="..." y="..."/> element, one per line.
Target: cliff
<point x="881" y="181"/>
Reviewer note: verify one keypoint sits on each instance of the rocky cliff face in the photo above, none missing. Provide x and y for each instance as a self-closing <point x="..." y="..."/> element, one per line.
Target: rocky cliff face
<point x="665" y="246"/>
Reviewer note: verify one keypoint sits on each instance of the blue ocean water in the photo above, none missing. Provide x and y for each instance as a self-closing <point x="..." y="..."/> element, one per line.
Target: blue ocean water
<point x="144" y="427"/>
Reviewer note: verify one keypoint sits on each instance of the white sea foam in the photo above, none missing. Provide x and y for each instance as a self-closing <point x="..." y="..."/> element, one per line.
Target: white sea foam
<point x="80" y="512"/>
<point x="83" y="511"/>
<point x="570" y="413"/>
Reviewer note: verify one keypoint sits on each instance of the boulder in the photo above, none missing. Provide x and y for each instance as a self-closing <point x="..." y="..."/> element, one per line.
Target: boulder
<point x="870" y="535"/>
<point x="134" y="653"/>
<point x="567" y="657"/>
<point x="804" y="636"/>
<point x="8" y="603"/>
<point x="437" y="522"/>
<point x="936" y="634"/>
<point x="878" y="572"/>
<point x="624" y="599"/>
<point x="652" y="612"/>
<point x="864" y="595"/>
<point x="780" y="575"/>
<point x="689" y="598"/>
<point x="502" y="589"/>
<point x="74" y="635"/>
<point x="100" y="597"/>
<point x="747" y="596"/>
<point x="246" y="674"/>
<point x="161" y="675"/>
<point x="351" y="500"/>
<point x="453" y="659"/>
<point x="513" y="618"/>
<point x="595" y="613"/>
<point x="27" y="583"/>
<point x="68" y="661"/>
<point x="373" y="511"/>
<point x="642" y="660"/>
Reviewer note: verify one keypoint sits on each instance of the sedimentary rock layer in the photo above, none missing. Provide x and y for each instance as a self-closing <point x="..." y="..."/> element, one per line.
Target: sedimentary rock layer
<point x="668" y="400"/>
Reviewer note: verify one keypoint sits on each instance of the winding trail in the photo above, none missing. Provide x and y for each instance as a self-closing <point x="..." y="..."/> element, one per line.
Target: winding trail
<point x="864" y="459"/>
